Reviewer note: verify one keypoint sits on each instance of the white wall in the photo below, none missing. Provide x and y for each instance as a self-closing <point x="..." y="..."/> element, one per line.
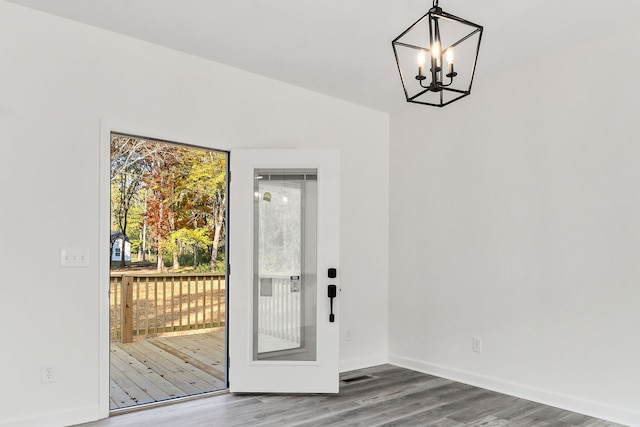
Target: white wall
<point x="58" y="79"/>
<point x="515" y="217"/>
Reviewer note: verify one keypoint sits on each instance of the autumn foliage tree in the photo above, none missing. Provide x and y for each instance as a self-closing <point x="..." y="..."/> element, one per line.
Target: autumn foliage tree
<point x="183" y="191"/>
<point x="206" y="192"/>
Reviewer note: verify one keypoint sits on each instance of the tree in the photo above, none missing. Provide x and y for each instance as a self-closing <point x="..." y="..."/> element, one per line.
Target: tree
<point x="128" y="166"/>
<point x="193" y="238"/>
<point x="129" y="151"/>
<point x="139" y="224"/>
<point x="127" y="185"/>
<point x="160" y="202"/>
<point x="206" y="188"/>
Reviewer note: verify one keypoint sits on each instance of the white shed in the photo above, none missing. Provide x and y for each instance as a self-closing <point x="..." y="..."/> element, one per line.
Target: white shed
<point x="116" y="247"/>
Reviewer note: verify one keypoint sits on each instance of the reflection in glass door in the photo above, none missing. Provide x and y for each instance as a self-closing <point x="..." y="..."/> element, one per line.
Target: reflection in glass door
<point x="285" y="266"/>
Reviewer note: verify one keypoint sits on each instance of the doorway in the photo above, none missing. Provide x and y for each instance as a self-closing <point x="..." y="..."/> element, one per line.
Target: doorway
<point x="168" y="271"/>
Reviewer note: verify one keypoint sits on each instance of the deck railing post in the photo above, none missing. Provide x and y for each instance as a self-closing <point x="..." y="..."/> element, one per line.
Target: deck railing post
<point x="126" y="307"/>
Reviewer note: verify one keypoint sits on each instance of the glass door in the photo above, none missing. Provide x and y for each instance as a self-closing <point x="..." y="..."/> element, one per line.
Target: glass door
<point x="283" y="242"/>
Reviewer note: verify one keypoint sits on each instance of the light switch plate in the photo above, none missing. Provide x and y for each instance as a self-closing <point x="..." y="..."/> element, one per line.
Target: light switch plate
<point x="74" y="258"/>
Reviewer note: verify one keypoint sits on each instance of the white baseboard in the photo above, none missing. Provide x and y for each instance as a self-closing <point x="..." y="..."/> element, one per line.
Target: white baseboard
<point x="547" y="397"/>
<point x="67" y="417"/>
<point x="354" y="364"/>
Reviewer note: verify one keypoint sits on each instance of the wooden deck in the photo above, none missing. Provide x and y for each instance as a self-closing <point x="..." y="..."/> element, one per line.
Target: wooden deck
<point x="156" y="369"/>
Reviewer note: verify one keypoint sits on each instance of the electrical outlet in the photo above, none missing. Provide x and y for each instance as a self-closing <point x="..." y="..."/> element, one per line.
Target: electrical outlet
<point x="48" y="374"/>
<point x="348" y="336"/>
<point x="476" y="344"/>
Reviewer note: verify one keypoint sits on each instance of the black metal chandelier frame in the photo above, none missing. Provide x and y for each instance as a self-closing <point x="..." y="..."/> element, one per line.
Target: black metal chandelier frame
<point x="436" y="82"/>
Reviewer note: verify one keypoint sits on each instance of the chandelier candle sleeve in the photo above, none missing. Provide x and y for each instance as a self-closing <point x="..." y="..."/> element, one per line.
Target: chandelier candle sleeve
<point x="439" y="33"/>
<point x="450" y="72"/>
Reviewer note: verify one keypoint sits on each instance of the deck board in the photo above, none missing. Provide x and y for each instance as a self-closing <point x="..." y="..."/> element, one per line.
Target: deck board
<point x="158" y="369"/>
<point x="199" y="347"/>
<point x="135" y="394"/>
<point x="195" y="358"/>
<point x="148" y="380"/>
<point x="118" y="397"/>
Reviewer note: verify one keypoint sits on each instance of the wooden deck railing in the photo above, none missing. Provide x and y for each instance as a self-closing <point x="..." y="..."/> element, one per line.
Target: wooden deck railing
<point x="279" y="311"/>
<point x="146" y="304"/>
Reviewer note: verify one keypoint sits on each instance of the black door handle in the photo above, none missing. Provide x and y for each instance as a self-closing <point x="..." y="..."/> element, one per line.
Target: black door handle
<point x="333" y="291"/>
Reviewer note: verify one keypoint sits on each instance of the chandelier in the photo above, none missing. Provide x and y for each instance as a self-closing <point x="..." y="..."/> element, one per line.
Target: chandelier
<point x="431" y="73"/>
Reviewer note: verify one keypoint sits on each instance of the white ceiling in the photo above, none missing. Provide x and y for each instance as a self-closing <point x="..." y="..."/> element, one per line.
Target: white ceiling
<point x="342" y="48"/>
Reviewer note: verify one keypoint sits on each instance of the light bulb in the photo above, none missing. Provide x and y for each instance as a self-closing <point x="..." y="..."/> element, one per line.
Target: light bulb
<point x="450" y="55"/>
<point x="435" y="49"/>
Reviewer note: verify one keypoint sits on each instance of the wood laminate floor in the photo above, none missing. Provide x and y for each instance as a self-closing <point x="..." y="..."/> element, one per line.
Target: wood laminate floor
<point x="387" y="396"/>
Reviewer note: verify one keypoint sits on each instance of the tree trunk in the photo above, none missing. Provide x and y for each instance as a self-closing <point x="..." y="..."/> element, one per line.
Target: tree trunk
<point x="171" y="218"/>
<point x="144" y="237"/>
<point x="217" y="234"/>
<point x="123" y="262"/>
<point x="160" y="263"/>
<point x="176" y="263"/>
<point x="144" y="232"/>
<point x="219" y="210"/>
<point x="123" y="230"/>
<point x="195" y="256"/>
